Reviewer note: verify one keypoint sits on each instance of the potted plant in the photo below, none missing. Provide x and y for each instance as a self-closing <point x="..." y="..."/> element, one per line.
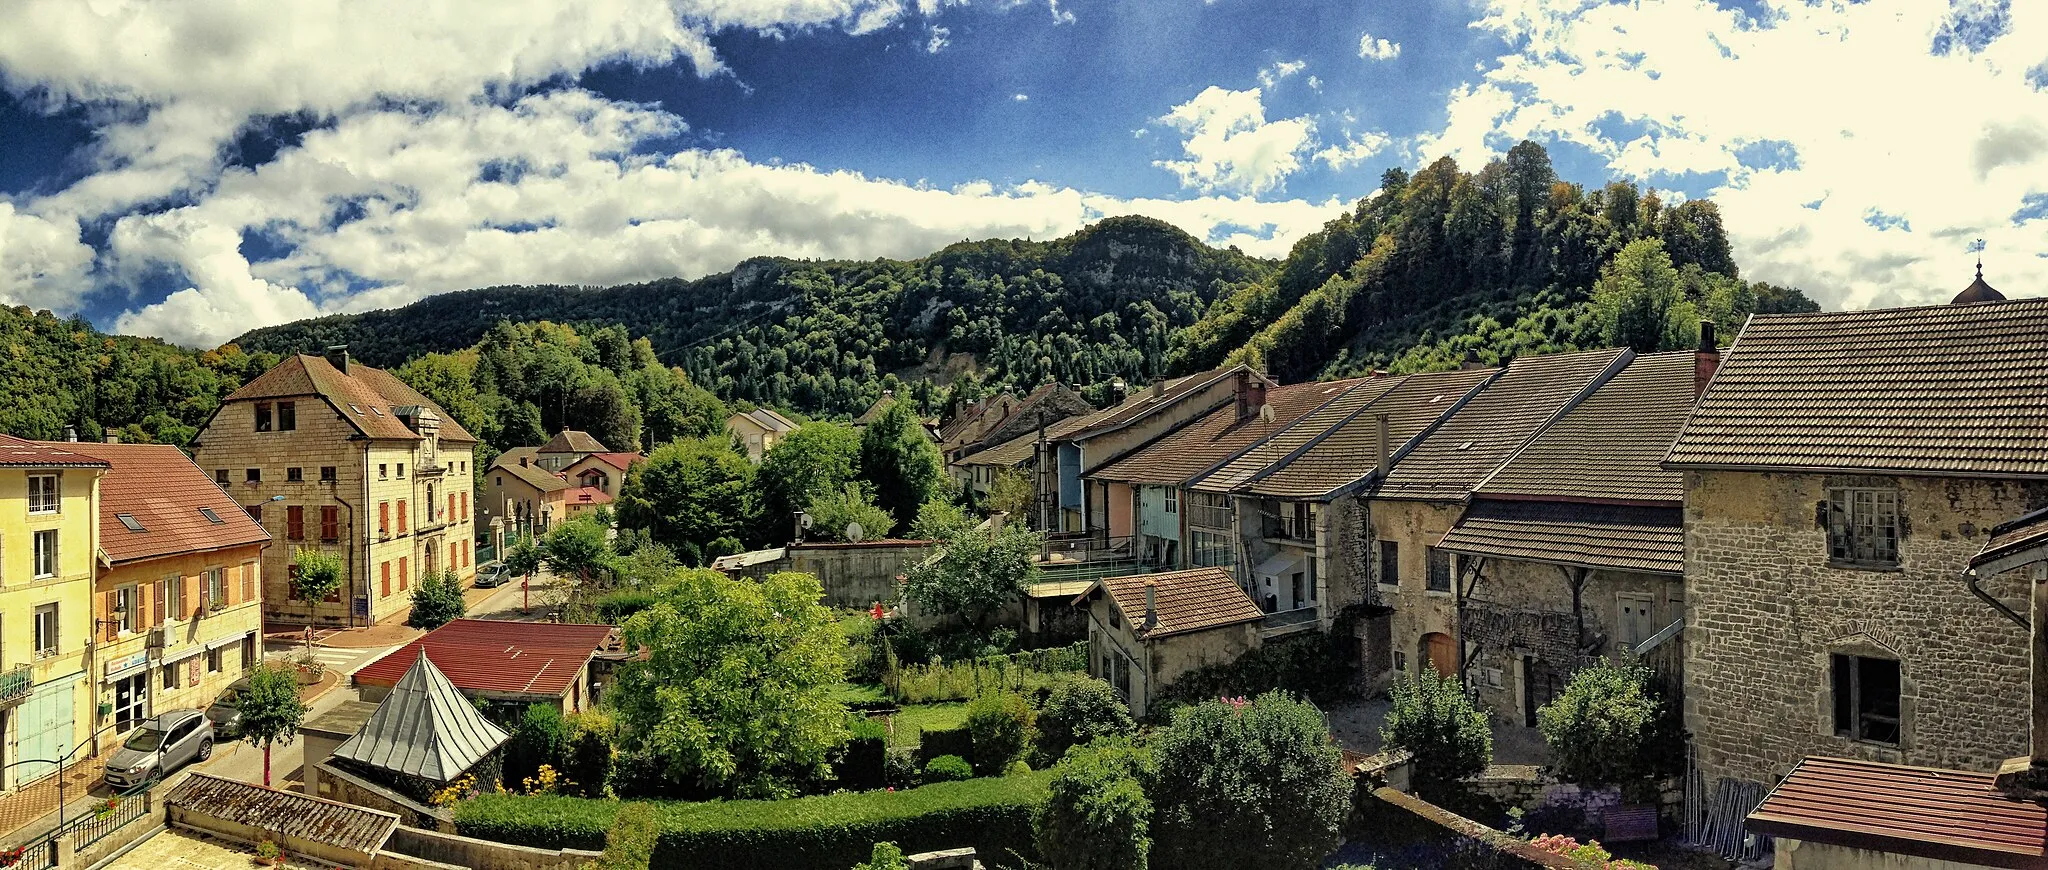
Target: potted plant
<point x="11" y="857"/>
<point x="268" y="852"/>
<point x="106" y="808"/>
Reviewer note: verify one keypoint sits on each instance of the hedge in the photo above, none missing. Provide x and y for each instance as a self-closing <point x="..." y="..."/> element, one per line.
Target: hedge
<point x="828" y="832"/>
<point x="935" y="742"/>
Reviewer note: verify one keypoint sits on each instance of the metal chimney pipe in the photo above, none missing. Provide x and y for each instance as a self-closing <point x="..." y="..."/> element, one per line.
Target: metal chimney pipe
<point x="1151" y="604"/>
<point x="1383" y="446"/>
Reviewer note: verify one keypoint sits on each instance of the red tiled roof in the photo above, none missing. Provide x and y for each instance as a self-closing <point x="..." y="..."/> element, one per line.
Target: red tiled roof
<point x="1193" y="600"/>
<point x="366" y="397"/>
<point x="618" y="460"/>
<point x="532" y="658"/>
<point x="1197" y="447"/>
<point x="21" y="453"/>
<point x="157" y="486"/>
<point x="1949" y="815"/>
<point x="586" y="495"/>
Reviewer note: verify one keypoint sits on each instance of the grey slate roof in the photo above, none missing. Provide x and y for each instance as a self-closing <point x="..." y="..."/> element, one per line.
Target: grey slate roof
<point x="356" y="829"/>
<point x="1468" y="446"/>
<point x="1611" y="445"/>
<point x="1943" y="390"/>
<point x="1617" y="537"/>
<point x="1146" y="403"/>
<point x="1349" y="451"/>
<point x="424" y="728"/>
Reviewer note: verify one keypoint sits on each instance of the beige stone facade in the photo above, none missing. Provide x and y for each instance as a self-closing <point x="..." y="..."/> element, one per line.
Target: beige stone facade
<point x="1424" y="623"/>
<point x="1524" y="639"/>
<point x="1140" y="668"/>
<point x="1767" y="608"/>
<point x="178" y="647"/>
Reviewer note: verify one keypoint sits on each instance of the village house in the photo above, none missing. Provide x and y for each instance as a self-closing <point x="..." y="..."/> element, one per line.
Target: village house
<point x="567" y="448"/>
<point x="578" y="501"/>
<point x="49" y="503"/>
<point x="1841" y="470"/>
<point x="1079" y="506"/>
<point x="605" y="472"/>
<point x="332" y="454"/>
<point x="1574" y="548"/>
<point x="521" y="497"/>
<point x="1145" y="631"/>
<point x="758" y="430"/>
<point x="178" y="607"/>
<point x="1021" y="453"/>
<point x="1002" y="419"/>
<point x="509" y="664"/>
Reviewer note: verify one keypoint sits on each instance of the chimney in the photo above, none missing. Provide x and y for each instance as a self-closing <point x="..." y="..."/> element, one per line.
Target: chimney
<point x="1119" y="392"/>
<point x="113" y="438"/>
<point x="337" y="356"/>
<point x="1151" y="605"/>
<point x="1159" y="388"/>
<point x="70" y="434"/>
<point x="1383" y="446"/>
<point x="1706" y="360"/>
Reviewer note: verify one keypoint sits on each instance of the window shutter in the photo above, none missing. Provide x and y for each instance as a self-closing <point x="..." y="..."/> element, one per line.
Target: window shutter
<point x="295" y="523"/>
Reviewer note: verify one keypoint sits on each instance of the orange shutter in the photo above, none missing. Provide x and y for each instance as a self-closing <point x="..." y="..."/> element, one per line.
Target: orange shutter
<point x="248" y="581"/>
<point x="401" y="516"/>
<point x="387" y="579"/>
<point x="384" y="519"/>
<point x="404" y="572"/>
<point x="465" y="505"/>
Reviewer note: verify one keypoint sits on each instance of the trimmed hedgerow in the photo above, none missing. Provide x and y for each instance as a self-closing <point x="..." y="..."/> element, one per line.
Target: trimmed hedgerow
<point x="946" y="741"/>
<point x="828" y="832"/>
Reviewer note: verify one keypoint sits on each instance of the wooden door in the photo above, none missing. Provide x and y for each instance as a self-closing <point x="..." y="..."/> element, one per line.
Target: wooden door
<point x="1441" y="652"/>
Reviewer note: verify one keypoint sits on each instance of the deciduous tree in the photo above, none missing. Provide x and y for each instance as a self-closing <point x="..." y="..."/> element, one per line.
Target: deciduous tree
<point x="1246" y="784"/>
<point x="976" y="573"/>
<point x="271" y="709"/>
<point x="898" y="457"/>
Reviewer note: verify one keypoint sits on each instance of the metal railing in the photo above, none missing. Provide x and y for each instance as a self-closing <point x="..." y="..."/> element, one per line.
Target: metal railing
<point x="16" y="685"/>
<point x="1288" y="621"/>
<point x="1082" y="546"/>
<point x="127" y="807"/>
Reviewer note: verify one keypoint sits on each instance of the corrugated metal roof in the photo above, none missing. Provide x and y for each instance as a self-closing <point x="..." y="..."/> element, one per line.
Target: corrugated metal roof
<point x="160" y="488"/>
<point x="1199" y="446"/>
<point x="1466" y="447"/>
<point x="1618" y="537"/>
<point x="424" y="728"/>
<point x="1949" y="815"/>
<point x="1946" y="389"/>
<point x="1348" y="451"/>
<point x="357" y="829"/>
<point x="1612" y="444"/>
<point x="748" y="559"/>
<point x="1193" y="600"/>
<point x="480" y="655"/>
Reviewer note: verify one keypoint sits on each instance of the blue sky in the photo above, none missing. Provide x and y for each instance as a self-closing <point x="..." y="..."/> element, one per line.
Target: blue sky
<point x="193" y="170"/>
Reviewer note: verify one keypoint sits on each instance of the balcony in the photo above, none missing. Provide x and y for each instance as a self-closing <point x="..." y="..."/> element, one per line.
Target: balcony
<point x="16" y="685"/>
<point x="1287" y="622"/>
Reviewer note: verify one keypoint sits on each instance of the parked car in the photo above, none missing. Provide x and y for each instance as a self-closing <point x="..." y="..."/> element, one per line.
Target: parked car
<point x="226" y="711"/>
<point x="159" y="746"/>
<point x="491" y="574"/>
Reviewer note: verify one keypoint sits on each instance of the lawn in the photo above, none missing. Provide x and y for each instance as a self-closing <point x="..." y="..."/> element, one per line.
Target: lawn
<point x="912" y="720"/>
<point x="853" y="694"/>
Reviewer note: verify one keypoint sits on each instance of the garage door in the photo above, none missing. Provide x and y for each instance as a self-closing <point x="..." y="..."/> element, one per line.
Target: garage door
<point x="43" y="729"/>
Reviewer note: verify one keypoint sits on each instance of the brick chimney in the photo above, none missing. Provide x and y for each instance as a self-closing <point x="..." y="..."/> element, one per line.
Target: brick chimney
<point x="337" y="356"/>
<point x="1251" y="395"/>
<point x="1383" y="452"/>
<point x="1151" y="605"/>
<point x="1707" y="360"/>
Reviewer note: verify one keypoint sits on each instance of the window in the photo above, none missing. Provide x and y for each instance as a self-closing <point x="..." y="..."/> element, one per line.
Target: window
<point x="1863" y="526"/>
<point x="401" y="471"/>
<point x="171" y="598"/>
<point x="384" y="519"/>
<point x="252" y="475"/>
<point x="1297" y="521"/>
<point x="287" y="417"/>
<point x="383" y="471"/>
<point x="1439" y="570"/>
<point x="433" y="507"/>
<point x="294" y="474"/>
<point x="1209" y="509"/>
<point x="46" y="630"/>
<point x="465" y="504"/>
<point x="171" y="675"/>
<point x="248" y="581"/>
<point x="1390" y="563"/>
<point x="44" y="493"/>
<point x="46" y="553"/>
<point x="1213" y="549"/>
<point x="248" y="651"/>
<point x="210" y="516"/>
<point x="220" y="477"/>
<point x="330" y="523"/>
<point x="125" y="602"/>
<point x="385" y="570"/>
<point x="213" y="659"/>
<point x="499" y="478"/>
<point x="1172" y="500"/>
<point x="216" y="588"/>
<point x="130" y="522"/>
<point x="255" y="511"/>
<point x="327" y="474"/>
<point x="1866" y="698"/>
<point x="401" y="516"/>
<point x="1637" y="624"/>
<point x="295" y="523"/>
<point x="262" y="416"/>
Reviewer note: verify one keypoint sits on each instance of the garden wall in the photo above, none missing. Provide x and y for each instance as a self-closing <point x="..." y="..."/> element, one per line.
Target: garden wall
<point x="450" y="849"/>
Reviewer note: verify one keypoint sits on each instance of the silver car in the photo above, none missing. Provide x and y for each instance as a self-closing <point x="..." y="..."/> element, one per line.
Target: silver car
<point x="160" y="745"/>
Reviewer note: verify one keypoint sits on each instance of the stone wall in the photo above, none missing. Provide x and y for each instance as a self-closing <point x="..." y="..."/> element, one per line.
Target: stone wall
<point x="1765" y="609"/>
<point x="1802" y="855"/>
<point x="1527" y="640"/>
<point x="336" y="784"/>
<point x="1415" y="526"/>
<point x="853" y="575"/>
<point x="445" y="849"/>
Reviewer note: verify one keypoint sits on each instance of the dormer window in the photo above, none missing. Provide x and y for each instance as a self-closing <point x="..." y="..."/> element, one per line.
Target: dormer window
<point x="210" y="516"/>
<point x="129" y="520"/>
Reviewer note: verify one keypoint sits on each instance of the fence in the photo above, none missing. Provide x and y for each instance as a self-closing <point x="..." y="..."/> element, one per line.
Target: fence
<point x="127" y="807"/>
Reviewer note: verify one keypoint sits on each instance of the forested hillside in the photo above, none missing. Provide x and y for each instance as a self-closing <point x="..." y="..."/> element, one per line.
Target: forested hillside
<point x="822" y="336"/>
<point x="1448" y="266"/>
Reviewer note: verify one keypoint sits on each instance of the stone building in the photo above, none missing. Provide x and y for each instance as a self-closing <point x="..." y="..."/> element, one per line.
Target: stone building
<point x="177" y="607"/>
<point x="372" y="469"/>
<point x="49" y="504"/>
<point x="1574" y="548"/>
<point x="1145" y="631"/>
<point x="523" y="497"/>
<point x="1133" y="422"/>
<point x="1841" y="470"/>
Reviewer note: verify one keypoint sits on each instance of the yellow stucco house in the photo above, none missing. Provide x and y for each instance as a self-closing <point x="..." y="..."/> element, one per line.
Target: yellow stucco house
<point x="48" y="501"/>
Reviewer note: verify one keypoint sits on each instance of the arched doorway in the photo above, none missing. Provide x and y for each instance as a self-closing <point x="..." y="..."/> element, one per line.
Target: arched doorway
<point x="1441" y="652"/>
<point x="433" y="564"/>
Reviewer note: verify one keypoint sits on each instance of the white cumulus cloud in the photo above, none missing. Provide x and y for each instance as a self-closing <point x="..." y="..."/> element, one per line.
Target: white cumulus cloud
<point x="1353" y="150"/>
<point x="1274" y="74"/>
<point x="1230" y="147"/>
<point x="1374" y="48"/>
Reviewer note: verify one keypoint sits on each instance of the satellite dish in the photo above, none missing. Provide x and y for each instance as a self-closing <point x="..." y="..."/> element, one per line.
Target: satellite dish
<point x="1265" y="413"/>
<point x="854" y="533"/>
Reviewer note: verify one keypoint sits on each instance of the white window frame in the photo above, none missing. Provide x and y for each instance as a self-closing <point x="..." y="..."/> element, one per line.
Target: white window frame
<point x="170" y="598"/>
<point x="216" y="588"/>
<point x="1857" y="521"/>
<point x="45" y="493"/>
<point x="48" y="631"/>
<point x="45" y="560"/>
<point x="125" y="601"/>
<point x="1172" y="500"/>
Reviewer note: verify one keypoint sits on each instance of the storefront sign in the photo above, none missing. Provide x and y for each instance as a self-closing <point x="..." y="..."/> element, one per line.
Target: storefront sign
<point x="132" y="660"/>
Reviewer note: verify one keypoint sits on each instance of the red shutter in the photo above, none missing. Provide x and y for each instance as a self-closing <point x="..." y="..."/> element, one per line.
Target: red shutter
<point x="384" y="519"/>
<point x="387" y="580"/>
<point x="330" y="523"/>
<point x="401" y="516"/>
<point x="295" y="523"/>
<point x="404" y="572"/>
<point x="291" y="582"/>
<point x="465" y="505"/>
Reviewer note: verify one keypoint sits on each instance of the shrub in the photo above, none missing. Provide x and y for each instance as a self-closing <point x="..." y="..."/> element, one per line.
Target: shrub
<point x="616" y="606"/>
<point x="947" y="768"/>
<point x="935" y="742"/>
<point x="1097" y="816"/>
<point x="590" y="758"/>
<point x="899" y="768"/>
<point x="862" y="761"/>
<point x="1246" y="784"/>
<point x="436" y="601"/>
<point x="1600" y="727"/>
<point x="1079" y="710"/>
<point x="885" y="857"/>
<point x="1316" y="664"/>
<point x="546" y="822"/>
<point x="998" y="725"/>
<point x="629" y="844"/>
<point x="1431" y="717"/>
<point x="541" y="739"/>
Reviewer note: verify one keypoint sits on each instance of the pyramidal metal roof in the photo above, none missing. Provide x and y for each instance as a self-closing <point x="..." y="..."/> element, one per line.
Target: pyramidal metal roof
<point x="424" y="728"/>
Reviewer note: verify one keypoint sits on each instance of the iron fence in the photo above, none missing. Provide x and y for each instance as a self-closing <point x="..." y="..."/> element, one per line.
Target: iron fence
<point x="109" y="817"/>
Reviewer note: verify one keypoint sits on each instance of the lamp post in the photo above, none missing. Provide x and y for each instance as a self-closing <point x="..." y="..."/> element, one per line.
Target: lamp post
<point x="59" y="763"/>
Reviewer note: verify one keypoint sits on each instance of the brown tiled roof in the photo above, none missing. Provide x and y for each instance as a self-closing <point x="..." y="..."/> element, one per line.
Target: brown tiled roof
<point x="1256" y="458"/>
<point x="1619" y="537"/>
<point x="1347" y="452"/>
<point x="253" y="807"/>
<point x="157" y="486"/>
<point x="1947" y="389"/>
<point x="1198" y="446"/>
<point x="1193" y="600"/>
<point x="1611" y="445"/>
<point x="1023" y="447"/>
<point x="364" y="396"/>
<point x="483" y="655"/>
<point x="620" y="461"/>
<point x="22" y="453"/>
<point x="573" y="441"/>
<point x="1467" y="446"/>
<point x="1946" y="815"/>
<point x="1146" y="402"/>
<point x="534" y="475"/>
<point x="512" y="455"/>
<point x="590" y="495"/>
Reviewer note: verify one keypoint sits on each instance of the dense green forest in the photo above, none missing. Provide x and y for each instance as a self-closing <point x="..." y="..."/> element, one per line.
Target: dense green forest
<point x="822" y="337"/>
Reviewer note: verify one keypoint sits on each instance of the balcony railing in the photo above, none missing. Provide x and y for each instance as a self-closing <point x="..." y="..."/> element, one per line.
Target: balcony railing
<point x="1287" y="622"/>
<point x="16" y="685"/>
<point x="1086" y="547"/>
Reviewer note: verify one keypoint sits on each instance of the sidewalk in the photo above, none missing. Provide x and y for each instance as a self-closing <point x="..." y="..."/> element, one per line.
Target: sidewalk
<point x="31" y="803"/>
